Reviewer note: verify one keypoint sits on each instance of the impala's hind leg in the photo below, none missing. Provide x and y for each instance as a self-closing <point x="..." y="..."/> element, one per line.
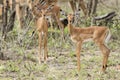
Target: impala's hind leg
<point x="105" y="52"/>
<point x="40" y="46"/>
<point x="45" y="47"/>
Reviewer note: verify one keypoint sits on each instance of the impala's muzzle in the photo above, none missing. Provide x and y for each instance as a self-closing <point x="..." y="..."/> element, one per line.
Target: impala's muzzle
<point x="72" y="20"/>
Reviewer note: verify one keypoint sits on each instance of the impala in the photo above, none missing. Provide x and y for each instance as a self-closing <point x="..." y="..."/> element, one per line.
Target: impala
<point x="75" y="4"/>
<point x="54" y="13"/>
<point x="42" y="28"/>
<point x="99" y="34"/>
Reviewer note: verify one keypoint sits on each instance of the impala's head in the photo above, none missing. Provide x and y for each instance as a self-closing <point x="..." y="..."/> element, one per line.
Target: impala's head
<point x="47" y="10"/>
<point x="43" y="12"/>
<point x="70" y="18"/>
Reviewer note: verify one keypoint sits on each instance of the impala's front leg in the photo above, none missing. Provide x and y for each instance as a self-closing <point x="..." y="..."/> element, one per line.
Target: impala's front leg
<point x="78" y="49"/>
<point x="45" y="47"/>
<point x="40" y="46"/>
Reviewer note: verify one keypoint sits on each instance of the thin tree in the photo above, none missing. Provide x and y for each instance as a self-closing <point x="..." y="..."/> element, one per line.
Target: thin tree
<point x="92" y="6"/>
<point x="8" y="24"/>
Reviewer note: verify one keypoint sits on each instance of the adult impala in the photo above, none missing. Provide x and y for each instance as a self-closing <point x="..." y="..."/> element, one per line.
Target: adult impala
<point x="75" y="4"/>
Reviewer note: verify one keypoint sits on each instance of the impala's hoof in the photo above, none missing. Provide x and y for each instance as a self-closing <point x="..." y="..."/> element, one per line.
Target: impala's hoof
<point x="104" y="68"/>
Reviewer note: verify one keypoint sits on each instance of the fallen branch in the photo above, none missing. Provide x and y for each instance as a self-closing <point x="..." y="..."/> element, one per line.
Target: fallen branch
<point x="106" y="18"/>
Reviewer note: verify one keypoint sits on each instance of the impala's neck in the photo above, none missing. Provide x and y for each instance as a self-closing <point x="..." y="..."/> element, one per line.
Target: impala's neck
<point x="70" y="28"/>
<point x="42" y="18"/>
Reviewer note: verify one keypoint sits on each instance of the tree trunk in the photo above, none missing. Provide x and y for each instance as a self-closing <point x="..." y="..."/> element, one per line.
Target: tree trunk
<point x="83" y="7"/>
<point x="5" y="19"/>
<point x="89" y="7"/>
<point x="92" y="6"/>
<point x="95" y="2"/>
<point x="8" y="25"/>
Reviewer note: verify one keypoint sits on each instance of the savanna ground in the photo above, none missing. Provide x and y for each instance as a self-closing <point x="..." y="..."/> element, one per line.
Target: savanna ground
<point x="21" y="57"/>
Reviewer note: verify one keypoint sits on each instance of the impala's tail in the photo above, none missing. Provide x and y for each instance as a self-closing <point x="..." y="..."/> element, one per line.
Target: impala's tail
<point x="108" y="35"/>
